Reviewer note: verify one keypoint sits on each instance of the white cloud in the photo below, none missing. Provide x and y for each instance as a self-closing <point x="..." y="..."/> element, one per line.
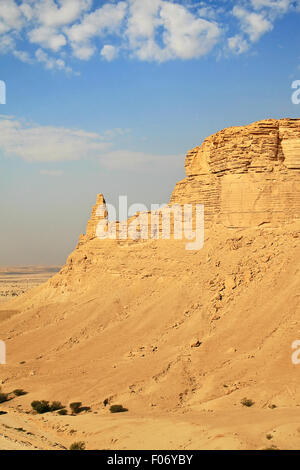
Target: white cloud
<point x="256" y="18"/>
<point x="208" y="12"/>
<point x="23" y="56"/>
<point x="280" y="6"/>
<point x="47" y="37"/>
<point x="184" y="35"/>
<point x="10" y="16"/>
<point x="26" y="10"/>
<point x="238" y="44"/>
<point x="104" y="20"/>
<point x="8" y="45"/>
<point x="148" y="30"/>
<point x="109" y="52"/>
<point x="51" y="63"/>
<point x="253" y="24"/>
<point x="42" y="22"/>
<point x="35" y="143"/>
<point x="50" y="19"/>
<point x="51" y="15"/>
<point x="84" y="52"/>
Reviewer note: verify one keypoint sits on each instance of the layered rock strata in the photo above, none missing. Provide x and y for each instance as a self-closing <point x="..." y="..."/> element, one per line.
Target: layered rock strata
<point x="244" y="176"/>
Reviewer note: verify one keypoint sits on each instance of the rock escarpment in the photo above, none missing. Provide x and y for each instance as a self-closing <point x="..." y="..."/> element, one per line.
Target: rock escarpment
<point x="246" y="176"/>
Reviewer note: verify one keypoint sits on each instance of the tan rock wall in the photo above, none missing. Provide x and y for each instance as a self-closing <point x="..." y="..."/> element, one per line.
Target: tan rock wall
<point x="246" y="176"/>
<point x="99" y="212"/>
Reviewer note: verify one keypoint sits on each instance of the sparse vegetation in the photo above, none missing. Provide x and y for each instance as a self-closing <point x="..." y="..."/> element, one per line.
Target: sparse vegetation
<point x="247" y="402"/>
<point x="117" y="409"/>
<point x="19" y="392"/>
<point x="62" y="412"/>
<point x="56" y="405"/>
<point x="271" y="448"/>
<point x="3" y="397"/>
<point x="75" y="407"/>
<point x="43" y="406"/>
<point x="269" y="437"/>
<point x="272" y="406"/>
<point x="77" y="446"/>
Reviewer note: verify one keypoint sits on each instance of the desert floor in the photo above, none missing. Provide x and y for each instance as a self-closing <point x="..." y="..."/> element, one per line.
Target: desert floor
<point x="14" y="281"/>
<point x="238" y="429"/>
<point x="177" y="337"/>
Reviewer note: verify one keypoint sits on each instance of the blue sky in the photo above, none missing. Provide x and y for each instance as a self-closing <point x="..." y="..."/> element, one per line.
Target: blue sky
<point x="108" y="96"/>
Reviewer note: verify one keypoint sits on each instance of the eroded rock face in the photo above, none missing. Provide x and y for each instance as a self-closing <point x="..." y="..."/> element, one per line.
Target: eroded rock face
<point x="99" y="213"/>
<point x="246" y="176"/>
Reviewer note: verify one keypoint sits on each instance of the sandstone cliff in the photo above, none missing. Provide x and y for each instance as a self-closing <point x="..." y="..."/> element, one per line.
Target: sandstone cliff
<point x="99" y="212"/>
<point x="246" y="176"/>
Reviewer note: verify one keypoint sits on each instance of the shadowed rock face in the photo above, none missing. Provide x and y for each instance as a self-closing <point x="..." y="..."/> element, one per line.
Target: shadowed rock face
<point x="246" y="176"/>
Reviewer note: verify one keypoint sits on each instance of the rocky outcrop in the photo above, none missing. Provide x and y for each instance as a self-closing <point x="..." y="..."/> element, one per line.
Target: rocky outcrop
<point x="246" y="176"/>
<point x="99" y="213"/>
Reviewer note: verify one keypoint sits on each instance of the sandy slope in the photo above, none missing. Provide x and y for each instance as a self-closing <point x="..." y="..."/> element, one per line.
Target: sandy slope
<point x="120" y="322"/>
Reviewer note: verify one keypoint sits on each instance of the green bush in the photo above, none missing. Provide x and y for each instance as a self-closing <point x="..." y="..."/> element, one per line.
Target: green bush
<point x="117" y="409"/>
<point x="3" y="397"/>
<point x="19" y="392"/>
<point x="62" y="412"/>
<point x="77" y="446"/>
<point x="75" y="407"/>
<point x="41" y="406"/>
<point x="247" y="402"/>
